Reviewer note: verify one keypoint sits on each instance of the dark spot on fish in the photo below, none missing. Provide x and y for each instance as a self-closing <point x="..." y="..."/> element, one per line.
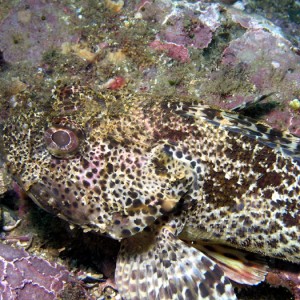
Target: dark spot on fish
<point x="269" y="179"/>
<point x="85" y="164"/>
<point x="159" y="273"/>
<point x="179" y="154"/>
<point x="55" y="191"/>
<point x="126" y="233"/>
<point x="97" y="190"/>
<point x="133" y="274"/>
<point x="220" y="288"/>
<point x="149" y="220"/>
<point x="131" y="213"/>
<point x="275" y="133"/>
<point x="206" y="262"/>
<point x="262" y="128"/>
<point x="193" y="164"/>
<point x="159" y="195"/>
<point x="86" y="184"/>
<point x="188" y="294"/>
<point x="152" y="209"/>
<point x="136" y="229"/>
<point x="203" y="290"/>
<point x="209" y="278"/>
<point x="167" y="150"/>
<point x="217" y="272"/>
<point x="173" y="288"/>
<point x="89" y="175"/>
<point x="128" y="202"/>
<point x="240" y="232"/>
<point x="211" y="113"/>
<point x="138" y="221"/>
<point x="166" y="263"/>
<point x="268" y="194"/>
<point x="134" y="195"/>
<point x="290" y="221"/>
<point x="136" y="203"/>
<point x="110" y="168"/>
<point x="283" y="239"/>
<point x="247" y="221"/>
<point x="172" y="256"/>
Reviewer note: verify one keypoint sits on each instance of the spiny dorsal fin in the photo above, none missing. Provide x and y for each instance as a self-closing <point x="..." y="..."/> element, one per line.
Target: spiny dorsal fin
<point x="284" y="142"/>
<point x="160" y="266"/>
<point x="250" y="104"/>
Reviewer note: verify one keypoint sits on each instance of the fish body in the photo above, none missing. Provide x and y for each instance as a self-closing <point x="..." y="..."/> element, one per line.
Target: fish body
<point x="160" y="175"/>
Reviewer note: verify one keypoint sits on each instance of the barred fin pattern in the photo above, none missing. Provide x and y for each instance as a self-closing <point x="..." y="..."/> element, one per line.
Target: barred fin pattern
<point x="281" y="141"/>
<point x="162" y="267"/>
<point x="240" y="266"/>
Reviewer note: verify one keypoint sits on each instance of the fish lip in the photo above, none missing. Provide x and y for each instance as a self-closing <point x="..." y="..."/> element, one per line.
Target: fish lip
<point x="35" y="198"/>
<point x="45" y="199"/>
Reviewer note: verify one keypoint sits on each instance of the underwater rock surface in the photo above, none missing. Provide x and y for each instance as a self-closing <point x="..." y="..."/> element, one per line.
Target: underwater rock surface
<point x="24" y="276"/>
<point x="33" y="27"/>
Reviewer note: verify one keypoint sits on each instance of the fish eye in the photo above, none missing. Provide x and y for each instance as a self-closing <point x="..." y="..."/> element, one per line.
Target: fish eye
<point x="62" y="142"/>
<point x="61" y="138"/>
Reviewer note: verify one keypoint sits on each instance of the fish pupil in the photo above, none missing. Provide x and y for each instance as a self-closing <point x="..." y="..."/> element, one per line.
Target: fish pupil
<point x="61" y="138"/>
<point x="62" y="142"/>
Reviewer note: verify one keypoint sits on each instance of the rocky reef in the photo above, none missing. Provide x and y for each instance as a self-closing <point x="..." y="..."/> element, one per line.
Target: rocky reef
<point x="24" y="276"/>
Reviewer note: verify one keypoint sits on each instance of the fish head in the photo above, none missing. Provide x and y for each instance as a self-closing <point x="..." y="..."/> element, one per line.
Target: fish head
<point x="92" y="159"/>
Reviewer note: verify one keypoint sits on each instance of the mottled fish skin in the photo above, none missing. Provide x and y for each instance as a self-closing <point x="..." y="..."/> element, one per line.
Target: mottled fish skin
<point x="251" y="186"/>
<point x="118" y="163"/>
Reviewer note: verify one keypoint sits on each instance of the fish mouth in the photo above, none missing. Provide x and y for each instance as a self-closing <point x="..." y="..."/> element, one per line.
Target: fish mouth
<point x="51" y="200"/>
<point x="44" y="198"/>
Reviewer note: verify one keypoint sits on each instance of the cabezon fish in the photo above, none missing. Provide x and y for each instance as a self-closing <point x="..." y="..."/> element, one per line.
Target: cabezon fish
<point x="164" y="177"/>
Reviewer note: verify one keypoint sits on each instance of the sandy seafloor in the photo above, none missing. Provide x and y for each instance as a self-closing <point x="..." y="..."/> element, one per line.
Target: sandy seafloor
<point x="201" y="49"/>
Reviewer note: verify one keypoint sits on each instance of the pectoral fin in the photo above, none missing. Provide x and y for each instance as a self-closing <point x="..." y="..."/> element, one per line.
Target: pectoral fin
<point x="157" y="265"/>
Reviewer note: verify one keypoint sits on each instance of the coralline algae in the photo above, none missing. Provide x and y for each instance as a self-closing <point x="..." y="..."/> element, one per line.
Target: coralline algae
<point x="24" y="276"/>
